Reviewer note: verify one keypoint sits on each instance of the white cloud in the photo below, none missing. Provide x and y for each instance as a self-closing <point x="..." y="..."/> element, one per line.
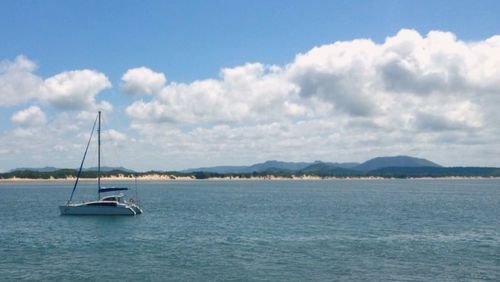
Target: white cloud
<point x="114" y="135"/>
<point x="18" y="84"/>
<point x="90" y="114"/>
<point x="449" y="116"/>
<point x="356" y="78"/>
<point x="142" y="81"/>
<point x="68" y="90"/>
<point x="60" y="141"/>
<point x="409" y="94"/>
<point x="72" y="97"/>
<point x="249" y="92"/>
<point x="427" y="95"/>
<point x="74" y="90"/>
<point x="32" y="116"/>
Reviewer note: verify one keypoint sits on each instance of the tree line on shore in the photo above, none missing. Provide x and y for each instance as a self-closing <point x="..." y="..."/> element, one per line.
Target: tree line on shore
<point x="321" y="172"/>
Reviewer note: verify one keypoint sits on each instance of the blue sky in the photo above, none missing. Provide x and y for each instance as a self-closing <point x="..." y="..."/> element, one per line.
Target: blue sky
<point x="191" y="41"/>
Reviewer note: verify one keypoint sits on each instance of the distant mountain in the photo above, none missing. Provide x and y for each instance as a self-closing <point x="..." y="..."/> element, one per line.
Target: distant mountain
<point x="397" y="161"/>
<point x="328" y="169"/>
<point x="252" y="168"/>
<point x="109" y="168"/>
<point x="277" y="165"/>
<point x="39" y="169"/>
<point x="280" y="167"/>
<point x="266" y="166"/>
<point x="386" y="167"/>
<point x="217" y="169"/>
<point x="342" y="165"/>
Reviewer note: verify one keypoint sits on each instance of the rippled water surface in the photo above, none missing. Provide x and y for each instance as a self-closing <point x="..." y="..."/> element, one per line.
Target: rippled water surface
<point x="355" y="230"/>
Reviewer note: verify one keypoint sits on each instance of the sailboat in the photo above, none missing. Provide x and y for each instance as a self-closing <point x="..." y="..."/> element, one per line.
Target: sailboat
<point x="112" y="204"/>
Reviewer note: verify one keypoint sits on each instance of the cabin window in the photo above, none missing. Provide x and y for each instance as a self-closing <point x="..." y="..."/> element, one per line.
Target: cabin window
<point x="102" y="204"/>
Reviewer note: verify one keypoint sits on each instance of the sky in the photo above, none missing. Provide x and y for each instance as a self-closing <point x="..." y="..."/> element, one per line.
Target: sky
<point x="199" y="83"/>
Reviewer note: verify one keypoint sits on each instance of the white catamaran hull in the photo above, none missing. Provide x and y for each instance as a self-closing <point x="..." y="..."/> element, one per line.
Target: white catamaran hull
<point x="96" y="210"/>
<point x="137" y="209"/>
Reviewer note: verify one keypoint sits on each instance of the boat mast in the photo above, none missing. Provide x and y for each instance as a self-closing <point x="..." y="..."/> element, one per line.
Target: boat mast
<point x="99" y="157"/>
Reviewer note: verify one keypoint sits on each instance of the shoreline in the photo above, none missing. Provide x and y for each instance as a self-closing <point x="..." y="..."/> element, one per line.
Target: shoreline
<point x="171" y="178"/>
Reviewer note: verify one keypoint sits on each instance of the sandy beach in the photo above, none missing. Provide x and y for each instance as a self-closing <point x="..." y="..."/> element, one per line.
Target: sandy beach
<point x="167" y="178"/>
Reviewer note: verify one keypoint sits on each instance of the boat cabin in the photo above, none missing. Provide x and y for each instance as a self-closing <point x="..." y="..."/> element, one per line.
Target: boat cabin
<point x="113" y="198"/>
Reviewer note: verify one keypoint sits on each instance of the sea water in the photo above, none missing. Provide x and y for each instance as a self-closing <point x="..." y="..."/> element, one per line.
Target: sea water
<point x="330" y="230"/>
